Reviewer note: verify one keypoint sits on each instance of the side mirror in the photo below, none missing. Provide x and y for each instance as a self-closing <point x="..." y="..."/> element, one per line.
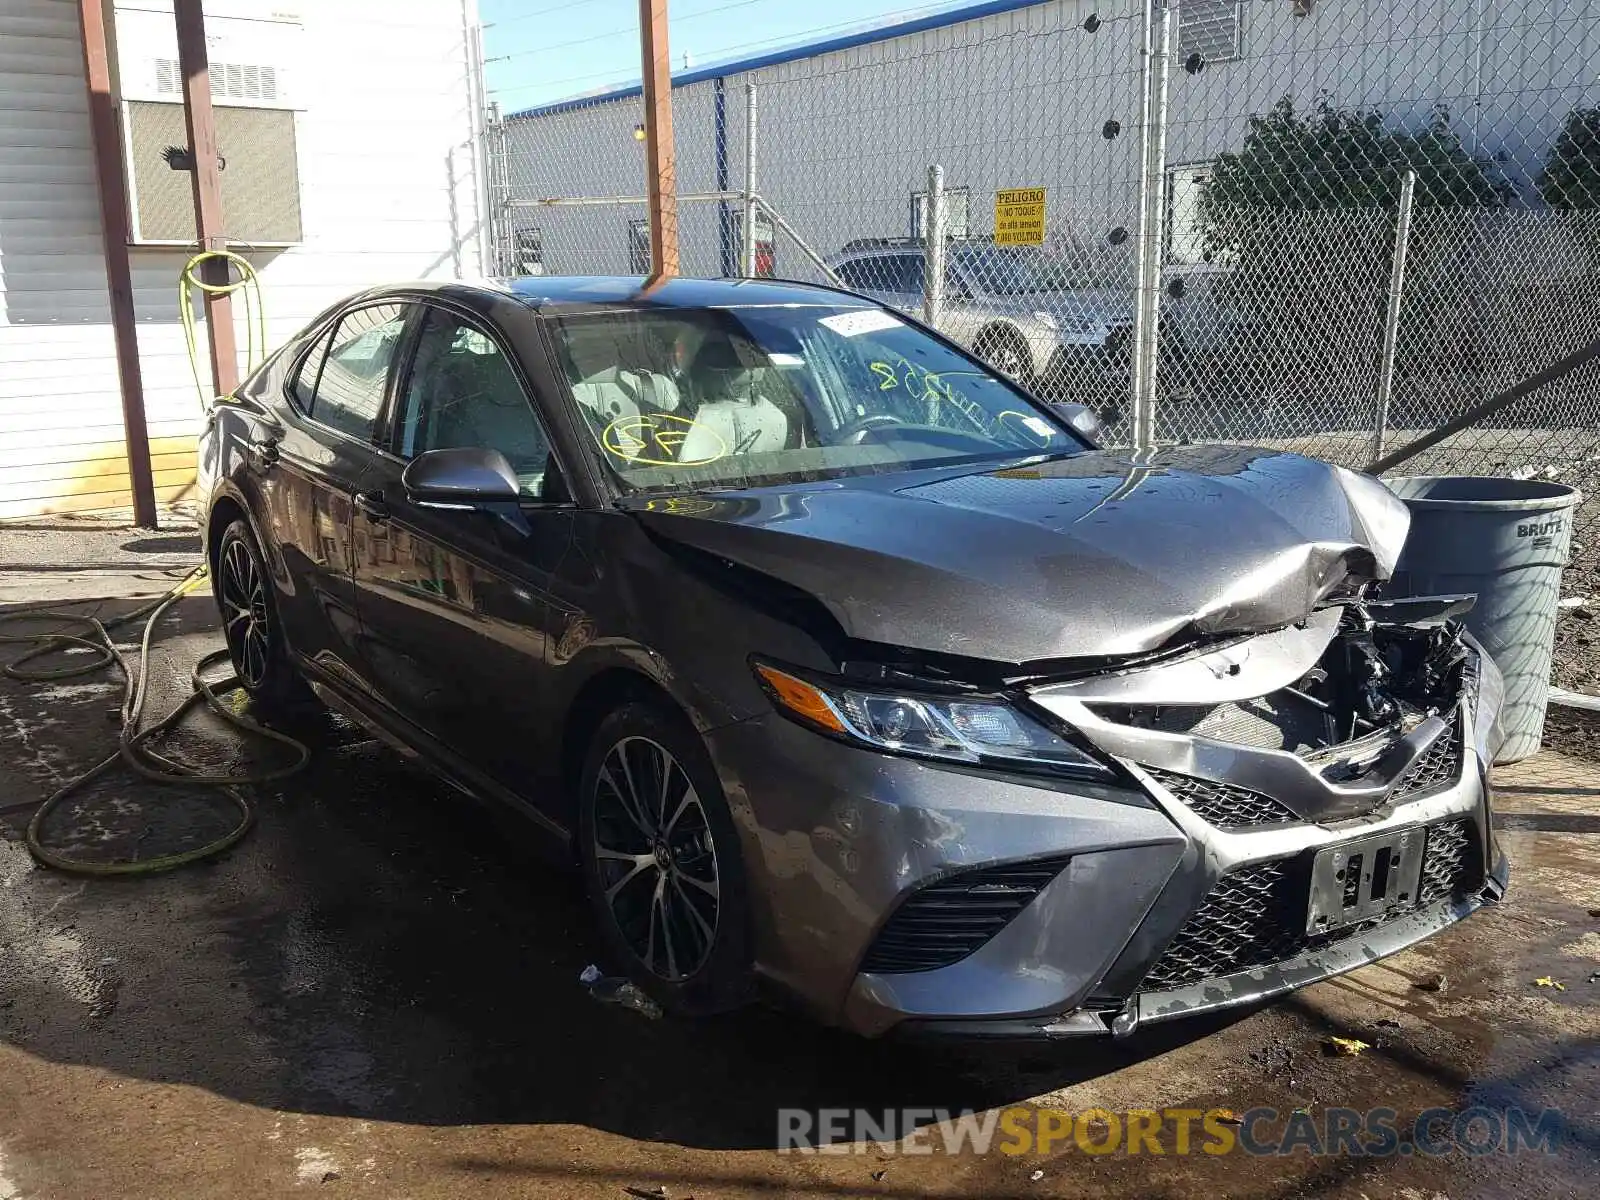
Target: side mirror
<point x="1083" y="419"/>
<point x="461" y="478"/>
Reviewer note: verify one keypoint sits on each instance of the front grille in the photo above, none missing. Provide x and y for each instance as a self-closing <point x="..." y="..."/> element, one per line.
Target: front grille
<point x="944" y="922"/>
<point x="1248" y="920"/>
<point x="1255" y="916"/>
<point x="1453" y="865"/>
<point x="1436" y="770"/>
<point x="1223" y="804"/>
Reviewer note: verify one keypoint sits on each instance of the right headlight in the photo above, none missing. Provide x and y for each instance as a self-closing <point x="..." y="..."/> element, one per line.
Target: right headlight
<point x="965" y="729"/>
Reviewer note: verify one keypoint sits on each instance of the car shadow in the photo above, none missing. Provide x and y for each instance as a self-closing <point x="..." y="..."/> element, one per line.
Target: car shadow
<point x="381" y="948"/>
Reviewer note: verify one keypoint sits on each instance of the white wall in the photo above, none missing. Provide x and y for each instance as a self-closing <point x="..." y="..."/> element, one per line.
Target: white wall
<point x="389" y="191"/>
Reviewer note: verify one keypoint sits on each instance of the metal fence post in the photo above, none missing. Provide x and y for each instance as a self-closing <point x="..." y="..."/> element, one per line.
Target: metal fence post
<point x="748" y="256"/>
<point x="1391" y="324"/>
<point x="496" y="257"/>
<point x="1152" y="220"/>
<point x="933" y="249"/>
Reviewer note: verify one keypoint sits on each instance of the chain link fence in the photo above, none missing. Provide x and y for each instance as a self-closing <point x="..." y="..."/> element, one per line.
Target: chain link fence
<point x="1320" y="224"/>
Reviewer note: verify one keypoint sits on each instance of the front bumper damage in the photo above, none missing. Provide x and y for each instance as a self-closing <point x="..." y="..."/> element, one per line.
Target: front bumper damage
<point x="902" y="896"/>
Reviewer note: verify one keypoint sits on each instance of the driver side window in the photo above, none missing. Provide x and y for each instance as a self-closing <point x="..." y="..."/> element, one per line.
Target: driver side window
<point x="462" y="391"/>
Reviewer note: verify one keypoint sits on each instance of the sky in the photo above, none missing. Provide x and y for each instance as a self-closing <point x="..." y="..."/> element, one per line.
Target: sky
<point x="536" y="51"/>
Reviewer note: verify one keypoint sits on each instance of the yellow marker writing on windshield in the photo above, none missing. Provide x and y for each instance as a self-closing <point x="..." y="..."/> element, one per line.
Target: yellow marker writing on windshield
<point x="886" y="373"/>
<point x="655" y="440"/>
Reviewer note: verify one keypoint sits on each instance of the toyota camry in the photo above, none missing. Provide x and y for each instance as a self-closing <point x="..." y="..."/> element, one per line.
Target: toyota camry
<point x="843" y="667"/>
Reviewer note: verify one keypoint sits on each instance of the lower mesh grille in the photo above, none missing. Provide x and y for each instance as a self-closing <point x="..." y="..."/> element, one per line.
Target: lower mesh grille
<point x="1439" y="768"/>
<point x="1248" y="920"/>
<point x="1223" y="804"/>
<point x="1453" y="864"/>
<point x="944" y="922"/>
<point x="1255" y="916"/>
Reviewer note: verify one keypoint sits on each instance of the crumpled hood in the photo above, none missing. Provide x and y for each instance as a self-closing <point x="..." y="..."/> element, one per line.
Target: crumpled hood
<point x="1103" y="553"/>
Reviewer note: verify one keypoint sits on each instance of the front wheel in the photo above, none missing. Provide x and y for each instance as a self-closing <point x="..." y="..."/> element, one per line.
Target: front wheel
<point x="250" y="624"/>
<point x="661" y="862"/>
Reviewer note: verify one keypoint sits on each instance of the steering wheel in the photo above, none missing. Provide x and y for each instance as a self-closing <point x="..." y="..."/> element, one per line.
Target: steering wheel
<point x="853" y="433"/>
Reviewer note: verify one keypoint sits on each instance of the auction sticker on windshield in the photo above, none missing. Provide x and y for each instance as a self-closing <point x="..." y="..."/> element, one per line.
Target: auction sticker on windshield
<point x="860" y="320"/>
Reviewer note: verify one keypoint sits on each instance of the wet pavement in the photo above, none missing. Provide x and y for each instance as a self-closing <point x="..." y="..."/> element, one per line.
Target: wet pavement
<point x="377" y="994"/>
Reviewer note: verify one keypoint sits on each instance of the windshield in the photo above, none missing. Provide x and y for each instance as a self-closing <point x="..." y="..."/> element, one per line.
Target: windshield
<point x="686" y="398"/>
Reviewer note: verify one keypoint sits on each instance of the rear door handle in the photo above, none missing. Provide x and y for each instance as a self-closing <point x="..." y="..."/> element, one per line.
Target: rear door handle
<point x="373" y="505"/>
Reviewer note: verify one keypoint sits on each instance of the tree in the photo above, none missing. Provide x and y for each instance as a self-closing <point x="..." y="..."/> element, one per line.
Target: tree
<point x="1305" y="211"/>
<point x="1336" y="158"/>
<point x="1571" y="176"/>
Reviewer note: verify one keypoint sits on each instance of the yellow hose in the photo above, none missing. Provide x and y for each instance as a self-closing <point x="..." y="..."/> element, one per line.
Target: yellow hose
<point x="133" y="748"/>
<point x="133" y="743"/>
<point x="255" y="311"/>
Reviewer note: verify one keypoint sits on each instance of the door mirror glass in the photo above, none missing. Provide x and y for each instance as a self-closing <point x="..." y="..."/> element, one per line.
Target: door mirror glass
<point x="1083" y="419"/>
<point x="460" y="478"/>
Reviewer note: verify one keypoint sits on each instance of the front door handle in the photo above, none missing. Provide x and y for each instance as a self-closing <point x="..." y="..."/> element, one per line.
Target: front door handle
<point x="373" y="505"/>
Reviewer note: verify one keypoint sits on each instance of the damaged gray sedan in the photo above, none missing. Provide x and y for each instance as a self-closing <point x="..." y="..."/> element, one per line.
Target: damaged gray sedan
<point x="841" y="664"/>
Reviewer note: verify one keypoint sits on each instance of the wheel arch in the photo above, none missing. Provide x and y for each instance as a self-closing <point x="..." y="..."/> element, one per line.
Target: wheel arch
<point x="999" y="330"/>
<point x="225" y="510"/>
<point x="607" y="690"/>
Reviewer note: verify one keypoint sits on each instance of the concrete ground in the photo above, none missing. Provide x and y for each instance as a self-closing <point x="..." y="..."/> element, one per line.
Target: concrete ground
<point x="376" y="994"/>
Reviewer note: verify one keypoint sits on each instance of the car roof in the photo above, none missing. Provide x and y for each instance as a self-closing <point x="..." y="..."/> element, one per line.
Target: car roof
<point x="578" y="293"/>
<point x="544" y="290"/>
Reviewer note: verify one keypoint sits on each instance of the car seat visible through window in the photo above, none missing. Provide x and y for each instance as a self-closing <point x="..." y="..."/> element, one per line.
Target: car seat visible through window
<point x="742" y="407"/>
<point x="478" y="402"/>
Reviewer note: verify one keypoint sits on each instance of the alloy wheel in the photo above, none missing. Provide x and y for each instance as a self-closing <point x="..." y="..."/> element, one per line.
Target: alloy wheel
<point x="656" y="857"/>
<point x="1006" y="359"/>
<point x="244" y="613"/>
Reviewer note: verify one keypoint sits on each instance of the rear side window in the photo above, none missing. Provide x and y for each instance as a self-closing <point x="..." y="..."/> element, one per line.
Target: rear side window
<point x="853" y="274"/>
<point x="883" y="273"/>
<point x="907" y="273"/>
<point x="342" y="382"/>
<point x="303" y="389"/>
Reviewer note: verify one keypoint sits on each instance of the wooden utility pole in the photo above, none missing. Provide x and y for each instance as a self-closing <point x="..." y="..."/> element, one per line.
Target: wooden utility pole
<point x="114" y="227"/>
<point x="660" y="184"/>
<point x="193" y="64"/>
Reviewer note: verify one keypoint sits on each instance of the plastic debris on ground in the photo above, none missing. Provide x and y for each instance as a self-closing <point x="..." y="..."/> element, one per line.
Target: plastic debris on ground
<point x="1347" y="1047"/>
<point x="612" y="989"/>
<point x="1545" y="981"/>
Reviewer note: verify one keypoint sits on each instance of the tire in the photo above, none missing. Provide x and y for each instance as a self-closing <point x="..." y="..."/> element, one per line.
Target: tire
<point x="675" y="917"/>
<point x="1007" y="353"/>
<point x="251" y="627"/>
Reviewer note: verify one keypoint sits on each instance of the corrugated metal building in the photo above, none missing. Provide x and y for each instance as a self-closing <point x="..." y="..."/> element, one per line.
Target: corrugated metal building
<point x="353" y="162"/>
<point x="1038" y="93"/>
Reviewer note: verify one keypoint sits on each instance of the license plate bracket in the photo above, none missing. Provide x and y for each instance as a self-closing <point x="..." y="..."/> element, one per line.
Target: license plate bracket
<point x="1363" y="878"/>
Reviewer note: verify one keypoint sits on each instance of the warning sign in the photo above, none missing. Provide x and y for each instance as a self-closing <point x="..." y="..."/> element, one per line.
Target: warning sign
<point x="1019" y="217"/>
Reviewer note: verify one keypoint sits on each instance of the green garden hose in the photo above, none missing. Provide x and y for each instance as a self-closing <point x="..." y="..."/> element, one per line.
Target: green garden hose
<point x="133" y="742"/>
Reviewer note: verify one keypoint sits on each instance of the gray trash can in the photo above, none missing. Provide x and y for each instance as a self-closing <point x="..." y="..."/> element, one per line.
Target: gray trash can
<point x="1506" y="540"/>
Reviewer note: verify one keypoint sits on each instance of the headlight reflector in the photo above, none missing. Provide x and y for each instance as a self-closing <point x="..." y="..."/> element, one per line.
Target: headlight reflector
<point x="956" y="729"/>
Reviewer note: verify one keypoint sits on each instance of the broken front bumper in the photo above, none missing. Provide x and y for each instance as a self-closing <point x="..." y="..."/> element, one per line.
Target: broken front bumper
<point x="890" y="893"/>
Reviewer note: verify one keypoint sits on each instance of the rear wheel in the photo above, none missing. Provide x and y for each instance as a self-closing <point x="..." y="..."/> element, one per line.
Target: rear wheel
<point x="661" y="861"/>
<point x="250" y="624"/>
<point x="1007" y="353"/>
